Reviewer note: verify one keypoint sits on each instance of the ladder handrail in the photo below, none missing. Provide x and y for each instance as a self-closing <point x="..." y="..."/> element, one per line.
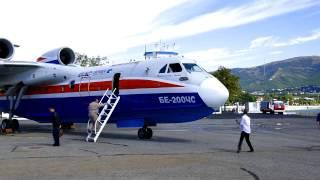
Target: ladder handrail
<point x="100" y="102"/>
<point x="105" y="120"/>
<point x="106" y="111"/>
<point x="104" y="108"/>
<point x="105" y="93"/>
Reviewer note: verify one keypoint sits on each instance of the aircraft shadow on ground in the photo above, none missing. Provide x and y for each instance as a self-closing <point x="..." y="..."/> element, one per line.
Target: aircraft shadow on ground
<point x="134" y="137"/>
<point x="106" y="135"/>
<point x="131" y="137"/>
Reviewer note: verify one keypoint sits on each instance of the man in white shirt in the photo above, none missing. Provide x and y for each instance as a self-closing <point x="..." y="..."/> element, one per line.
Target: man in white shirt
<point x="245" y="131"/>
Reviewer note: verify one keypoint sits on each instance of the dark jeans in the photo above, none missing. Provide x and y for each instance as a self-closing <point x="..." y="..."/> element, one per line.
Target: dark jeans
<point x="55" y="134"/>
<point x="246" y="136"/>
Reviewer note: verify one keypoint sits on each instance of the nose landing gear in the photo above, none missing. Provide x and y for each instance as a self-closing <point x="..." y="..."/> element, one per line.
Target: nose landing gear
<point x="145" y="133"/>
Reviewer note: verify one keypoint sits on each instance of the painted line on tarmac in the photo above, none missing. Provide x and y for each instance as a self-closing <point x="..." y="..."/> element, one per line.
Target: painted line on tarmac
<point x="86" y="150"/>
<point x="172" y="130"/>
<point x="104" y="155"/>
<point x="14" y="149"/>
<point x="256" y="177"/>
<point x="115" y="144"/>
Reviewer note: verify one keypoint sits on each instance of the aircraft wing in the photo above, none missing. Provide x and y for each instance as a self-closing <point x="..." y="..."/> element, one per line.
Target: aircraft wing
<point x="12" y="68"/>
<point x="51" y="68"/>
<point x="29" y="73"/>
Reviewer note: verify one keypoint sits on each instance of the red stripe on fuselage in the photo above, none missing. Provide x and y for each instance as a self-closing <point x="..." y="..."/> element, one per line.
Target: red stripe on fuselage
<point x="41" y="59"/>
<point x="98" y="86"/>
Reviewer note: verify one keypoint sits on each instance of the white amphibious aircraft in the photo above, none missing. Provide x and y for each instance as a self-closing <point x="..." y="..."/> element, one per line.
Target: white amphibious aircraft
<point x="163" y="88"/>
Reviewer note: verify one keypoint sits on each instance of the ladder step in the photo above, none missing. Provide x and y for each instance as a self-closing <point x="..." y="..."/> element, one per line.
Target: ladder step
<point x="104" y="116"/>
<point x="90" y="139"/>
<point x="112" y="99"/>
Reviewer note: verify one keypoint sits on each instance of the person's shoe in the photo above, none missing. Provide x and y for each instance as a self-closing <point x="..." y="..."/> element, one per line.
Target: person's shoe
<point x="238" y="151"/>
<point x="251" y="150"/>
<point x="56" y="145"/>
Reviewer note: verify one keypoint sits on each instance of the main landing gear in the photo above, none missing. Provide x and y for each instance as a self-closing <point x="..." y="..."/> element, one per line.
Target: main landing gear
<point x="9" y="124"/>
<point x="14" y="95"/>
<point x="145" y="133"/>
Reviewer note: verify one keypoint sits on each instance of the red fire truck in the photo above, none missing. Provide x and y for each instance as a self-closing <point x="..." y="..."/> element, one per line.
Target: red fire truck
<point x="272" y="107"/>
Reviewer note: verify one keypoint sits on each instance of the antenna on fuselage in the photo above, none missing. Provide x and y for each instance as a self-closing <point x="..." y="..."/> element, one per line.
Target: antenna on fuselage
<point x="145" y="50"/>
<point x="161" y="49"/>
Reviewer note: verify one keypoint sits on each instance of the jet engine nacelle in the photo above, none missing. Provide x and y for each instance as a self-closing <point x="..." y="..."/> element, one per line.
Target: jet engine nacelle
<point x="6" y="50"/>
<point x="63" y="56"/>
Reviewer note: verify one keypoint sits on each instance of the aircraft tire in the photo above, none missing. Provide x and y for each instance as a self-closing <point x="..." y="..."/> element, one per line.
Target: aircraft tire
<point x="142" y="133"/>
<point x="149" y="133"/>
<point x="15" y="125"/>
<point x="4" y="125"/>
<point x="67" y="125"/>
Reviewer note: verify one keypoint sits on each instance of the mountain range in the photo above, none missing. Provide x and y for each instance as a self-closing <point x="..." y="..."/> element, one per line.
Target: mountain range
<point x="290" y="73"/>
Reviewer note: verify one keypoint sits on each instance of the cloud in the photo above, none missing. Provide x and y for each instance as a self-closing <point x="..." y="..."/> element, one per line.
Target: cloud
<point x="227" y="18"/>
<point x="96" y="27"/>
<point x="261" y="42"/>
<point x="215" y="57"/>
<point x="276" y="52"/>
<point x="299" y="40"/>
<point x="266" y="46"/>
<point x="274" y="42"/>
<point x="113" y="27"/>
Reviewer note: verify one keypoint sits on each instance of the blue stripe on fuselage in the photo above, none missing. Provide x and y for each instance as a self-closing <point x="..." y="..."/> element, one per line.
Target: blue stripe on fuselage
<point x="153" y="108"/>
<point x="54" y="61"/>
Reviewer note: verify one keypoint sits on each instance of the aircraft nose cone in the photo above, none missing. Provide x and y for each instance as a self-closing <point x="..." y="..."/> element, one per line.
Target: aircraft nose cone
<point x="213" y="93"/>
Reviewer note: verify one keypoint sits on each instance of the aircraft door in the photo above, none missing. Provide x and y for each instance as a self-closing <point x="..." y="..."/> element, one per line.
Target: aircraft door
<point x="84" y="86"/>
<point x="115" y="83"/>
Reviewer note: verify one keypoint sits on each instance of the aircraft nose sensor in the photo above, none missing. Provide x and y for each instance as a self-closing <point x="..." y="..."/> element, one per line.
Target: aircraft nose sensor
<point x="213" y="93"/>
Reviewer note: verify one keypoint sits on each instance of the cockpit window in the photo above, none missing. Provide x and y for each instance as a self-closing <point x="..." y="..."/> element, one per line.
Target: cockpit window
<point x="163" y="69"/>
<point x="173" y="68"/>
<point x="190" y="67"/>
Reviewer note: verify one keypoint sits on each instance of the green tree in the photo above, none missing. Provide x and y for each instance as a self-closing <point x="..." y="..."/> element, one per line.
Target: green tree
<point x="286" y="98"/>
<point x="270" y="96"/>
<point x="247" y="97"/>
<point x="85" y="61"/>
<point x="230" y="81"/>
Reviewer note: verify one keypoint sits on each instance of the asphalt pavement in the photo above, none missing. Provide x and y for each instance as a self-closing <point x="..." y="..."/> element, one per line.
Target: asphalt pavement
<point x="286" y="147"/>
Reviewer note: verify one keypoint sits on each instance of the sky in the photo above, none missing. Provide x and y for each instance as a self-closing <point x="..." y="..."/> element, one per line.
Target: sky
<point x="233" y="34"/>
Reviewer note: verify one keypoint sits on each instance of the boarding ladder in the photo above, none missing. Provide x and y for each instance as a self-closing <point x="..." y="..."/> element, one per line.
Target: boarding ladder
<point x="104" y="115"/>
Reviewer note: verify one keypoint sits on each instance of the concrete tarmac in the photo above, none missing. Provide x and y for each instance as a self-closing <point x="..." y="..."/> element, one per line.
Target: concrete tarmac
<point x="286" y="147"/>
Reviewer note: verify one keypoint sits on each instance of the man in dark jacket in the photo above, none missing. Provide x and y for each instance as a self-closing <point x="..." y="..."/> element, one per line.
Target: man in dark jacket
<point x="318" y="119"/>
<point x="56" y="125"/>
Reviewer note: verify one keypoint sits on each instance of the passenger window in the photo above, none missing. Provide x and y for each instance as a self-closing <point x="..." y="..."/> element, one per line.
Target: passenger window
<point x="163" y="69"/>
<point x="173" y="68"/>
